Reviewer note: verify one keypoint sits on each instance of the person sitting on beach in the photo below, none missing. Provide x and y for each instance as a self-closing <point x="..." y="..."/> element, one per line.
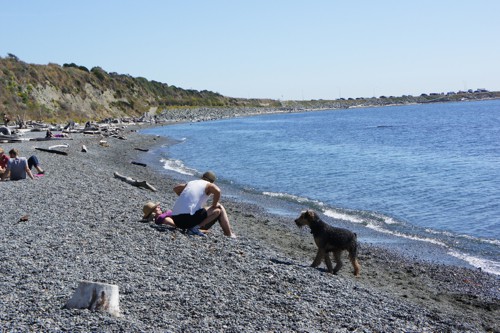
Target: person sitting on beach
<point x="4" y="160"/>
<point x="189" y="211"/>
<point x="18" y="167"/>
<point x="50" y="135"/>
<point x="152" y="212"/>
<point x="6" y="119"/>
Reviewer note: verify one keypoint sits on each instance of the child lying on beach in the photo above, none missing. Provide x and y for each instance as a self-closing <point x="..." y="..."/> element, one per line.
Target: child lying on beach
<point x="49" y="134"/>
<point x="152" y="212"/>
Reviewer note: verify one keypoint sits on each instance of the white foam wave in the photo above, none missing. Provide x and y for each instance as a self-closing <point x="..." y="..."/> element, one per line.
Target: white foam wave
<point x="291" y="197"/>
<point x="476" y="239"/>
<point x="342" y="216"/>
<point x="387" y="219"/>
<point x="486" y="265"/>
<point x="379" y="225"/>
<point x="436" y="232"/>
<point x="177" y="166"/>
<point x="412" y="237"/>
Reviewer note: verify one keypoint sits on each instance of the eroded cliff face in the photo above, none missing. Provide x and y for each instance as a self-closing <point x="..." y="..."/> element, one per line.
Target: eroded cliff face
<point x="54" y="92"/>
<point x="92" y="103"/>
<point x="50" y="92"/>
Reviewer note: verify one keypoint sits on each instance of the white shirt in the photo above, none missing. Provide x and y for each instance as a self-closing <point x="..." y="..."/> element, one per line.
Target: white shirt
<point x="192" y="198"/>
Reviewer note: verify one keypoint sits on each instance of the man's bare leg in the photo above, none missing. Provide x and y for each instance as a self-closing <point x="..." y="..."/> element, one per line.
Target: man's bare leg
<point x="212" y="216"/>
<point x="219" y="214"/>
<point x="224" y="223"/>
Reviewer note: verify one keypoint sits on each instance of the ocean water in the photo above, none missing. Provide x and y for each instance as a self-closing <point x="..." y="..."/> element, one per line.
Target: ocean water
<point x="423" y="177"/>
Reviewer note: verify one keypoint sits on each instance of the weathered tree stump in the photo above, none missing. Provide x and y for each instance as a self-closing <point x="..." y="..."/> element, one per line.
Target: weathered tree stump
<point x="95" y="297"/>
<point x="133" y="182"/>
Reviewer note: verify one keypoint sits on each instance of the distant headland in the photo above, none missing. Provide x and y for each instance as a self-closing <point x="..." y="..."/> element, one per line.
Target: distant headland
<point x="55" y="93"/>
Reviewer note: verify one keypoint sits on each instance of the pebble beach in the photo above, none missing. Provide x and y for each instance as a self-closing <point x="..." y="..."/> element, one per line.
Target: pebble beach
<point x="84" y="224"/>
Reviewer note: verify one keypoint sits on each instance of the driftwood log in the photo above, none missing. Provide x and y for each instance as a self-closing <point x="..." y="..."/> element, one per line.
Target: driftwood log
<point x="133" y="182"/>
<point x="139" y="163"/>
<point x="49" y="139"/>
<point x="54" y="151"/>
<point x="95" y="297"/>
<point x="59" y="146"/>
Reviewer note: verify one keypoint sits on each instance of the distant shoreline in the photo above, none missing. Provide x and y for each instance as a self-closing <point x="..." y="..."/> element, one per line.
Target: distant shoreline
<point x="196" y="114"/>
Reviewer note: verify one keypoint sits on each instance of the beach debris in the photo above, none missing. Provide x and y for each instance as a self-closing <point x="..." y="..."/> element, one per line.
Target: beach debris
<point x="139" y="163"/>
<point x="141" y="149"/>
<point x="24" y="218"/>
<point x="92" y="132"/>
<point x="54" y="151"/>
<point x="60" y="146"/>
<point x="5" y="130"/>
<point x="133" y="182"/>
<point x="103" y="143"/>
<point x="95" y="296"/>
<point x="84" y="149"/>
<point x="11" y="138"/>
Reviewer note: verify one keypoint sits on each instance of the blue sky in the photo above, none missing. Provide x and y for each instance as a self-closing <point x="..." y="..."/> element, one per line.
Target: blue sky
<point x="280" y="49"/>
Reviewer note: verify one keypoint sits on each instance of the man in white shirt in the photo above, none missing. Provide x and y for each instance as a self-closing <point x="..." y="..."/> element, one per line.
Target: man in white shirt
<point x="190" y="210"/>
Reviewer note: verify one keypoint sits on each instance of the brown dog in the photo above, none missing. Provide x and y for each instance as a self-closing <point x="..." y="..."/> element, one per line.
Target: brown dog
<point x="330" y="239"/>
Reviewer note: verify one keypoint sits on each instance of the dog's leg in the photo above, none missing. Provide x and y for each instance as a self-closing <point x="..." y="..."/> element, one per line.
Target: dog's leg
<point x="328" y="262"/>
<point x="319" y="257"/>
<point x="338" y="261"/>
<point x="354" y="262"/>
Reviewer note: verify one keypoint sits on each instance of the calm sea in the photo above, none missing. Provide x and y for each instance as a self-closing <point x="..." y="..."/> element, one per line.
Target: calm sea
<point x="421" y="178"/>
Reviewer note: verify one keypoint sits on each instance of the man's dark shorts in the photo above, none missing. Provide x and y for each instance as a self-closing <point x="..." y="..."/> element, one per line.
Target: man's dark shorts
<point x="186" y="221"/>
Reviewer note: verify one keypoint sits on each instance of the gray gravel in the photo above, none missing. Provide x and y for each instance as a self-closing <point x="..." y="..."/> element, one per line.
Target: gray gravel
<point x="84" y="225"/>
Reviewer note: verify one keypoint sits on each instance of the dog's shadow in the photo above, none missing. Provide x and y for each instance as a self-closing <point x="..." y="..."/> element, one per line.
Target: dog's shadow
<point x="290" y="263"/>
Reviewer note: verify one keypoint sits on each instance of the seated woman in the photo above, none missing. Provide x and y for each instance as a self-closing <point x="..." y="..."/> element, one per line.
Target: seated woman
<point x="4" y="160"/>
<point x="152" y="212"/>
